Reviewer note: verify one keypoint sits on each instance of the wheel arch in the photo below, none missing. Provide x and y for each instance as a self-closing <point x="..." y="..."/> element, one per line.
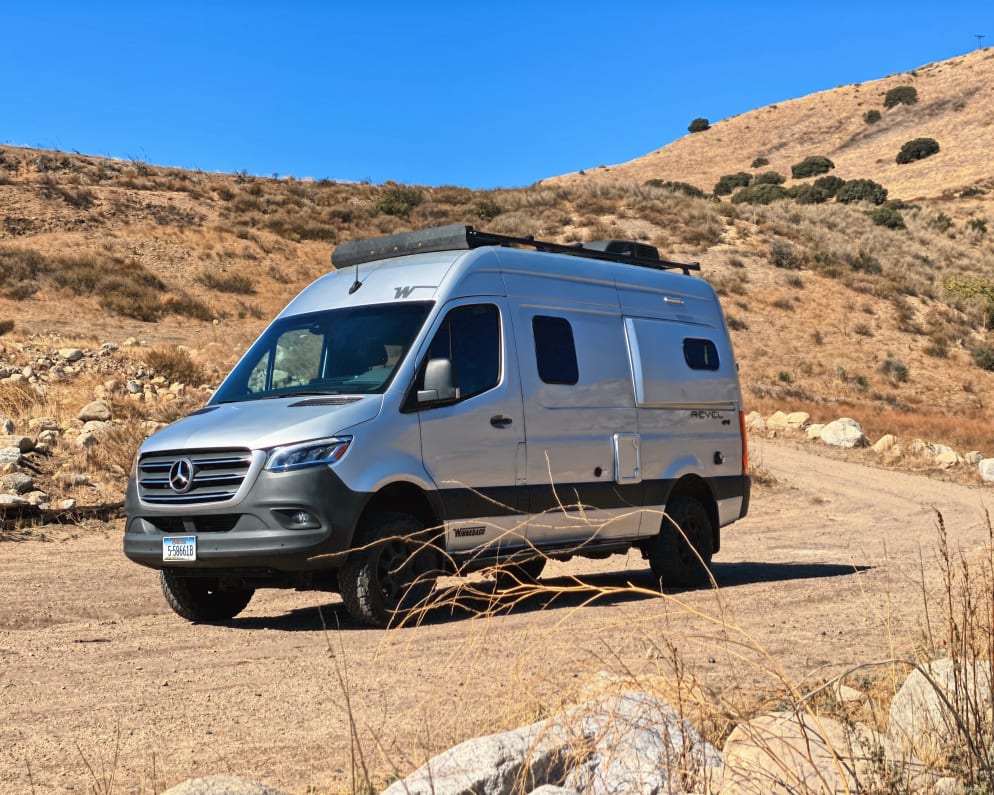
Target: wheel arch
<point x="697" y="487"/>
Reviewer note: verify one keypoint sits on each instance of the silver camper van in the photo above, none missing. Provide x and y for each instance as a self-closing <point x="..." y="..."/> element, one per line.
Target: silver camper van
<point x="445" y="401"/>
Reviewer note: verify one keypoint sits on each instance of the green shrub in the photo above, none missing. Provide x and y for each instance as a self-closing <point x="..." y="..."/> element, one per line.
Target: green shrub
<point x="917" y="149"/>
<point x="830" y="184"/>
<point x="983" y="356"/>
<point x="888" y="217"/>
<point x="699" y="125"/>
<point x="871" y="116"/>
<point x="807" y="194"/>
<point x="978" y="225"/>
<point x="488" y="209"/>
<point x="759" y="162"/>
<point x="902" y="95"/>
<point x="399" y="200"/>
<point x="894" y="369"/>
<point x="769" y="178"/>
<point x="973" y="190"/>
<point x="730" y="182"/>
<point x="760" y="194"/>
<point x="862" y="190"/>
<point x="684" y="188"/>
<point x="811" y="167"/>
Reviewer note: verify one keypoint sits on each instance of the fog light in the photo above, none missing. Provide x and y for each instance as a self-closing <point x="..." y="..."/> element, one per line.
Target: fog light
<point x="300" y="517"/>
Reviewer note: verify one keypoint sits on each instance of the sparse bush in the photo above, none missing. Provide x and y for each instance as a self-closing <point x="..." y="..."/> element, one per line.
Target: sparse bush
<point x="862" y="190"/>
<point x="941" y="223"/>
<point x="894" y="369"/>
<point x="699" y="125"/>
<point x="863" y="330"/>
<point x="399" y="200"/>
<point x="736" y="324"/>
<point x="6" y="326"/>
<point x="784" y="377"/>
<point x="488" y="209"/>
<point x="785" y="255"/>
<point x="729" y="182"/>
<point x="978" y="225"/>
<point x="902" y="95"/>
<point x="783" y="303"/>
<point x="769" y="178"/>
<point x="872" y="116"/>
<point x="759" y="162"/>
<point x="973" y="190"/>
<point x="760" y="194"/>
<point x="807" y="194"/>
<point x="811" y="167"/>
<point x="865" y="262"/>
<point x="983" y="356"/>
<point x="684" y="188"/>
<point x="917" y="149"/>
<point x="175" y="364"/>
<point x="887" y="217"/>
<point x="230" y="283"/>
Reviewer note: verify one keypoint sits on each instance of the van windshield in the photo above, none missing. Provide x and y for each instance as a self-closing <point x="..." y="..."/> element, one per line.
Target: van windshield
<point x="349" y="351"/>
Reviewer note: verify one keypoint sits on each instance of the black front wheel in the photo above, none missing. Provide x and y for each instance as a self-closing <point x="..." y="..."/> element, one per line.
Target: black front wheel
<point x="681" y="554"/>
<point x="205" y="599"/>
<point x="391" y="570"/>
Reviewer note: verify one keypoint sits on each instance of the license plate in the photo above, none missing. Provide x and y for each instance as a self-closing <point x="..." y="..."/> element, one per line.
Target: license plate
<point x="179" y="549"/>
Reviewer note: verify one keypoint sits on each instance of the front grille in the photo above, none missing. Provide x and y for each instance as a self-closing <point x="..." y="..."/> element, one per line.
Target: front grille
<point x="192" y="478"/>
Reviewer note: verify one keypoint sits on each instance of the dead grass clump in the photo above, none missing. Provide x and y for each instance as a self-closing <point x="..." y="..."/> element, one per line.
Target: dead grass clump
<point x="175" y="364"/>
<point x="228" y="283"/>
<point x="18" y="399"/>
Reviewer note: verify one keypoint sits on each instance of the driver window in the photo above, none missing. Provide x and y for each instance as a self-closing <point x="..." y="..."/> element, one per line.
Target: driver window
<point x="470" y="338"/>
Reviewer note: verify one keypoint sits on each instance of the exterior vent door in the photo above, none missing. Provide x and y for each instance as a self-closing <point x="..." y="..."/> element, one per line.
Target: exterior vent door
<point x="627" y="458"/>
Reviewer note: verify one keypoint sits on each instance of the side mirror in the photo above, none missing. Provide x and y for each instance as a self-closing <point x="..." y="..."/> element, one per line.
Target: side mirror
<point x="440" y="382"/>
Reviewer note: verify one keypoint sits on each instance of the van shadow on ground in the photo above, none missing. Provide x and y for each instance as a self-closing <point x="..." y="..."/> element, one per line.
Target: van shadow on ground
<point x="474" y="597"/>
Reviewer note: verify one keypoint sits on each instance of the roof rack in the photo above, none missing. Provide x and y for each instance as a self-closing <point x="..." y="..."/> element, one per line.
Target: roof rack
<point x="457" y="237"/>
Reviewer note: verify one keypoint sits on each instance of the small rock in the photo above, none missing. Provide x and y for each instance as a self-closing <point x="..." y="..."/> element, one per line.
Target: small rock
<point x="814" y="431"/>
<point x="884" y="443"/>
<point x="107" y="347"/>
<point x="17" y="482"/>
<point x="71" y="354"/>
<point x="797" y="419"/>
<point x="986" y="468"/>
<point x="28" y="372"/>
<point x="12" y="499"/>
<point x="67" y="505"/>
<point x="96" y="426"/>
<point x="10" y="455"/>
<point x="134" y="387"/>
<point x="222" y="785"/>
<point x="849" y="695"/>
<point x="43" y="424"/>
<point x="97" y="410"/>
<point x="36" y="497"/>
<point x="6" y="424"/>
<point x="23" y="443"/>
<point x="948" y="459"/>
<point x="777" y="421"/>
<point x="86" y="440"/>
<point x="974" y="457"/>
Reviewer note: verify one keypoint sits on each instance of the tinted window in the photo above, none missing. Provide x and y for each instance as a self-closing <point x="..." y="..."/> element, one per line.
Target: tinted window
<point x="700" y="354"/>
<point x="470" y="337"/>
<point x="555" y="351"/>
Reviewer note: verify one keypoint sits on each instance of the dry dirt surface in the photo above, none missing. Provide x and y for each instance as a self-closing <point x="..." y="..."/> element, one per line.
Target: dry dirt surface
<point x="103" y="689"/>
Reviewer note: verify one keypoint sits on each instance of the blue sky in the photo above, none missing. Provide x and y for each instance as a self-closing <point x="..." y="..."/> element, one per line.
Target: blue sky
<point x="434" y="93"/>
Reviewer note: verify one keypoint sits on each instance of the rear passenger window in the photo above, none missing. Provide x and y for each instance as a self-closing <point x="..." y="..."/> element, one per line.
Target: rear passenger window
<point x="555" y="351"/>
<point x="700" y="354"/>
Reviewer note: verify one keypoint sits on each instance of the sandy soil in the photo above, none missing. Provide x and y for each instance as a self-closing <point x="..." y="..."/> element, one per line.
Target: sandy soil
<point x="103" y="689"/>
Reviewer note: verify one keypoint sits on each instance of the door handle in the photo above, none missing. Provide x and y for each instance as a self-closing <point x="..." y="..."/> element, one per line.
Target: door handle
<point x="500" y="421"/>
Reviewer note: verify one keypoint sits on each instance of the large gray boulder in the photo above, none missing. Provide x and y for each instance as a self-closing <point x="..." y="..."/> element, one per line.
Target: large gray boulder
<point x="844" y="432"/>
<point x="632" y="743"/>
<point x="935" y="699"/>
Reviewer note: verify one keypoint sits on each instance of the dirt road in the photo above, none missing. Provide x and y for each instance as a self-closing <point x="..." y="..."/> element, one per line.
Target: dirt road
<point x="103" y="689"/>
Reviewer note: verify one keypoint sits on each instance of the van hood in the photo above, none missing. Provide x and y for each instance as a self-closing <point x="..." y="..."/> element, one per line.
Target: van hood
<point x="262" y="424"/>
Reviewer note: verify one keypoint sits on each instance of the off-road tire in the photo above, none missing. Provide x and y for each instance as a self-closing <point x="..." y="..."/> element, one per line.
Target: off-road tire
<point x="686" y="527"/>
<point x="525" y="572"/>
<point x="203" y="599"/>
<point x="391" y="571"/>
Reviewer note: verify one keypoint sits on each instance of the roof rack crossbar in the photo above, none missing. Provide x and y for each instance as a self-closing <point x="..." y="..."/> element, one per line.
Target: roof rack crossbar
<point x="456" y="237"/>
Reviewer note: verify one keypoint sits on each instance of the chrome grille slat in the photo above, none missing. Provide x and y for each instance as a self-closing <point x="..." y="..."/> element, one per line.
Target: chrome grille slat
<point x="217" y="476"/>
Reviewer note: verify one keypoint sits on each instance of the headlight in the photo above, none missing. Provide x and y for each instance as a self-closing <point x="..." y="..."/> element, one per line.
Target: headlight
<point x="308" y="454"/>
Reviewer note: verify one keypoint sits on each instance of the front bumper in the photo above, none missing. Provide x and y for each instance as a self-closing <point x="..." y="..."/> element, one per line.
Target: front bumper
<point x="260" y="532"/>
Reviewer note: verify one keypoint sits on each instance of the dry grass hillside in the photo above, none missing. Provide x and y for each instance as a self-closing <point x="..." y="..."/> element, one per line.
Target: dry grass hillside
<point x="833" y="310"/>
<point x="953" y="107"/>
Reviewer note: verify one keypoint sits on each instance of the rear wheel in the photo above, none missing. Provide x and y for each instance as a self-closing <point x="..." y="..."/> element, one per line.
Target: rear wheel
<point x="391" y="570"/>
<point x="681" y="554"/>
<point x="203" y="598"/>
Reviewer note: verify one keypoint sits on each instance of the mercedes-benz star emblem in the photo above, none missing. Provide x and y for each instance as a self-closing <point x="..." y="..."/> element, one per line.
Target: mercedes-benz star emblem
<point x="181" y="476"/>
